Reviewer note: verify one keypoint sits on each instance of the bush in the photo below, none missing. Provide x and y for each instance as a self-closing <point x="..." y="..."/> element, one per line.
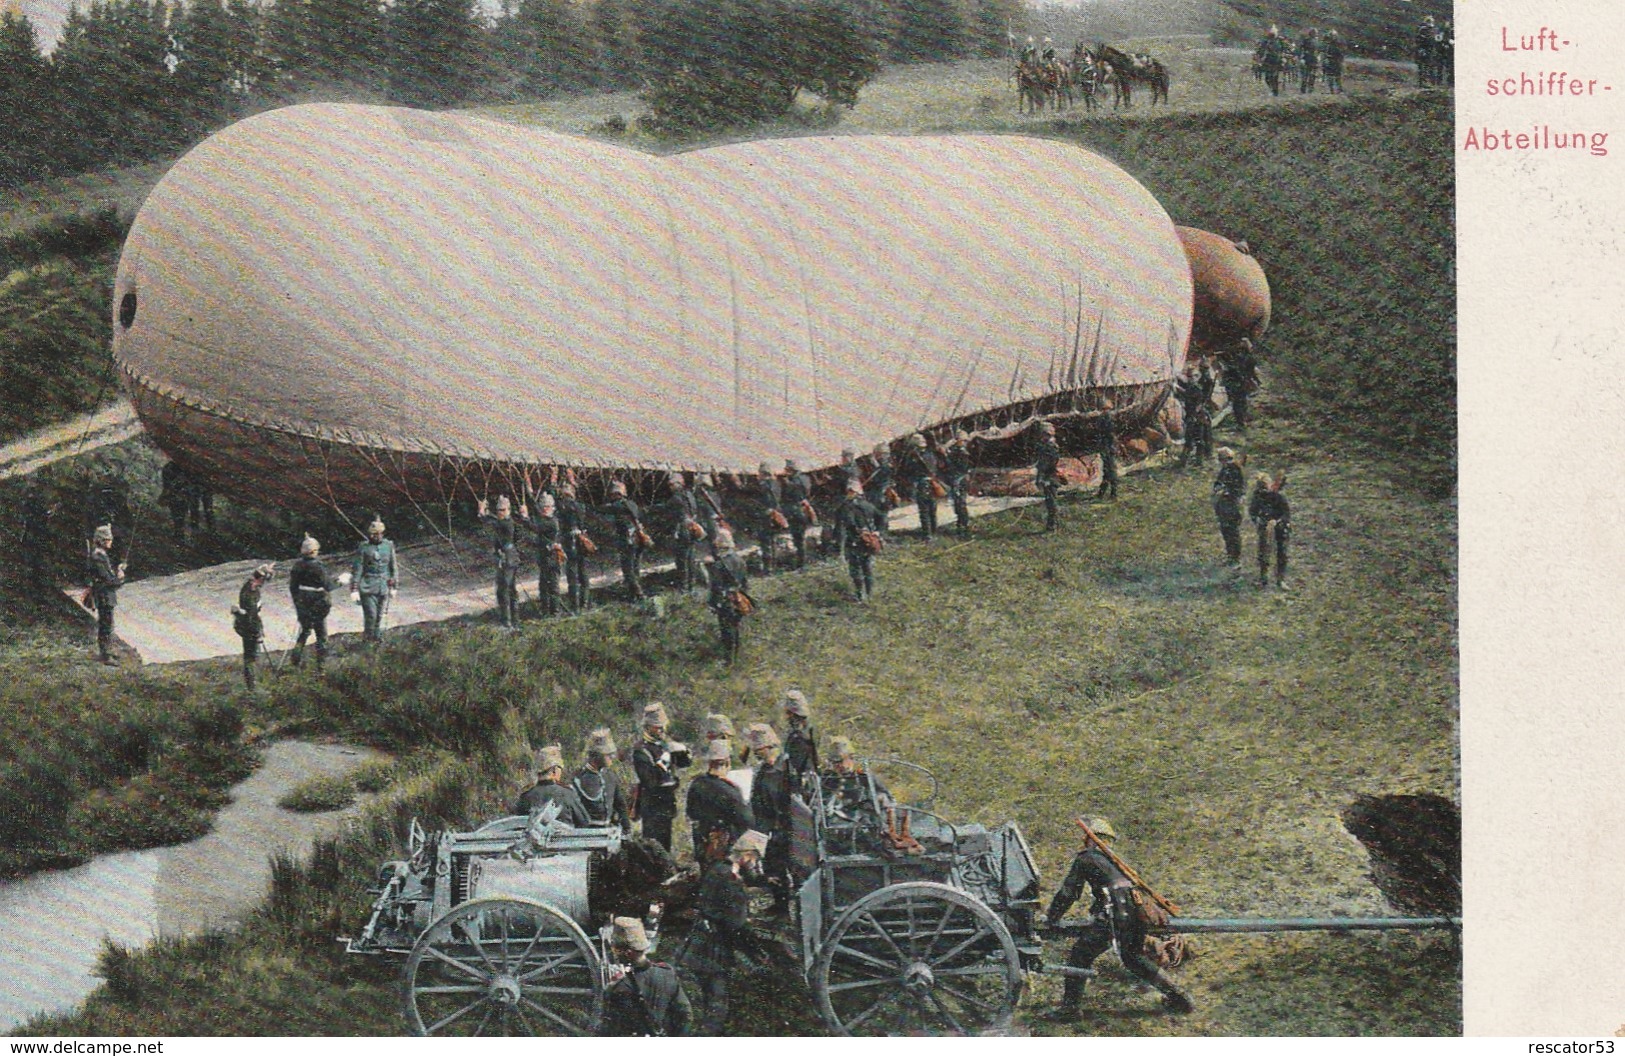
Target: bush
<point x="319" y="794"/>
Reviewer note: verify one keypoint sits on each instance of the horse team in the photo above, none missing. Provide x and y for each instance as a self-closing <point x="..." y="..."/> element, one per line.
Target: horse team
<point x="1056" y="83"/>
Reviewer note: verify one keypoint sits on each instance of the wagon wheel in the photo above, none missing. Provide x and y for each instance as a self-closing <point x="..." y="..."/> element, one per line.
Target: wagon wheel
<point x="918" y="958"/>
<point x="502" y="966"/>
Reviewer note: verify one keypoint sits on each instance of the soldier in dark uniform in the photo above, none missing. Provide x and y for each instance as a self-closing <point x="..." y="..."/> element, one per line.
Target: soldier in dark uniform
<point x="1273" y="58"/>
<point x="550" y="553"/>
<point x="175" y="493"/>
<point x="877" y="488"/>
<point x="598" y="787"/>
<point x="684" y="507"/>
<point x="648" y="1001"/>
<point x="857" y="516"/>
<point x="800" y="739"/>
<point x="656" y="762"/>
<point x="1269" y="511"/>
<point x="505" y="551"/>
<point x="770" y="805"/>
<point x="1331" y="63"/>
<point x="1238" y="372"/>
<point x="201" y="503"/>
<point x="710" y="506"/>
<point x="1104" y="444"/>
<point x="730" y="587"/>
<point x="550" y="788"/>
<point x="247" y="621"/>
<point x="573" y="536"/>
<point x="846" y="783"/>
<point x="716" y="808"/>
<point x="849" y="469"/>
<point x="1047" y="473"/>
<point x="1228" y="488"/>
<point x="1308" y="61"/>
<point x="768" y="513"/>
<point x="372" y="580"/>
<point x="722" y="929"/>
<point x="797" y="507"/>
<point x="36" y="517"/>
<point x="1426" y="52"/>
<point x="919" y="470"/>
<point x="1029" y="53"/>
<point x="1193" y="394"/>
<point x="1113" y="914"/>
<point x="309" y="582"/>
<point x="628" y="527"/>
<point x="105" y="579"/>
<point x="956" y="468"/>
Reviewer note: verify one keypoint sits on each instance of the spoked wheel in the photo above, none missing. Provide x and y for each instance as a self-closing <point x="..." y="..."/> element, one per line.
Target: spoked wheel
<point x="502" y="966"/>
<point x="918" y="958"/>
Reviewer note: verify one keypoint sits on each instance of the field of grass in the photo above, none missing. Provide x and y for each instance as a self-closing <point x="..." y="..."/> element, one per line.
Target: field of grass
<point x="1114" y="667"/>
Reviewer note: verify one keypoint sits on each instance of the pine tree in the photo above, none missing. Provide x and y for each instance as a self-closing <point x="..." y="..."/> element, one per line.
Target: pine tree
<point x="433" y="51"/>
<point x="554" y="47"/>
<point x="928" y="31"/>
<point x="24" y="96"/>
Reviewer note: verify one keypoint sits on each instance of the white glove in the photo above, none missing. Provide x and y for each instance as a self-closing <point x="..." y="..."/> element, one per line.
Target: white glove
<point x="355" y="597"/>
<point x="344" y="579"/>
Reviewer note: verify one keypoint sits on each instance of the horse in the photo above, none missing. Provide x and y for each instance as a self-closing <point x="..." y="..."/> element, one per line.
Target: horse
<point x="1039" y="85"/>
<point x="1126" y="70"/>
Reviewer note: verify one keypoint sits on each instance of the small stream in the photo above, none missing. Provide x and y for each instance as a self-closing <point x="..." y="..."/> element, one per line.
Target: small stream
<point x="52" y="924"/>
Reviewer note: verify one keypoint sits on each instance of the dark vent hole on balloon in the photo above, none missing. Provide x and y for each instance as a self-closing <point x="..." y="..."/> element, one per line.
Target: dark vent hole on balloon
<point x="126" y="310"/>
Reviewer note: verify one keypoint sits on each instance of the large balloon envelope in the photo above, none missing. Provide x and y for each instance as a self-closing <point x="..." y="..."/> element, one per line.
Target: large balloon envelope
<point x="350" y="303"/>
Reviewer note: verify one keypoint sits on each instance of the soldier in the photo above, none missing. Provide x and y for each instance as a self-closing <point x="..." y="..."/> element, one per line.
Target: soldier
<point x="629" y="536"/>
<point x="597" y="786"/>
<point x="1114" y="915"/>
<point x="656" y="761"/>
<point x="919" y="470"/>
<point x="719" y="727"/>
<point x="648" y="1001"/>
<point x="1193" y="392"/>
<point x="857" y="537"/>
<point x="722" y="929"/>
<point x="846" y="783"/>
<point x="877" y="489"/>
<point x="573" y="536"/>
<point x="36" y="517"/>
<point x="1273" y="57"/>
<point x="716" y="808"/>
<point x="175" y="494"/>
<point x="309" y="582"/>
<point x="957" y="467"/>
<point x="1104" y="443"/>
<point x="1238" y="373"/>
<point x="797" y="507"/>
<point x="372" y="580"/>
<point x="1268" y="509"/>
<point x="770" y="806"/>
<point x="1331" y="62"/>
<point x="1426" y="35"/>
<point x="849" y="468"/>
<point x="800" y="739"/>
<point x="247" y="622"/>
<point x="1047" y="473"/>
<point x="1228" y="487"/>
<point x="105" y="579"/>
<point x="1029" y="53"/>
<point x="711" y="516"/>
<point x="550" y="788"/>
<point x="505" y="549"/>
<point x="550" y="553"/>
<point x="201" y="501"/>
<point x="1047" y="56"/>
<point x="768" y="515"/>
<point x="729" y="595"/>
<point x="1308" y="61"/>
<point x="684" y="507"/>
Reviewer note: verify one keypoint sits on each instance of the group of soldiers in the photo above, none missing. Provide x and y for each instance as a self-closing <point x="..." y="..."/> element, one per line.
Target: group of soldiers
<point x="1435" y="53"/>
<point x="742" y="841"/>
<point x="1312" y="55"/>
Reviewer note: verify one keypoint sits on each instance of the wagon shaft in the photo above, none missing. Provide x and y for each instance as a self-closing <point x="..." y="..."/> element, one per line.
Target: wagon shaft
<point x="1237" y="925"/>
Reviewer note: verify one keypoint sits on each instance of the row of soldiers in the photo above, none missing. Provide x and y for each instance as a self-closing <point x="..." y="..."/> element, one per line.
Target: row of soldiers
<point x="1311" y="55"/>
<point x="742" y="841"/>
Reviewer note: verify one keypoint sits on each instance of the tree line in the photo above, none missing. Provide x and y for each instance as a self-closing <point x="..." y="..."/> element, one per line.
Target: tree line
<point x="132" y="80"/>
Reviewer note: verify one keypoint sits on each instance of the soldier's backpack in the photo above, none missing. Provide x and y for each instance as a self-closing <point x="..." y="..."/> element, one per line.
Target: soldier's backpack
<point x="558" y="554"/>
<point x="584" y="541"/>
<point x="777" y="519"/>
<point x="871" y="541"/>
<point x="937" y="490"/>
<point x="741" y="602"/>
<point x="641" y="537"/>
<point x="808" y="512"/>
